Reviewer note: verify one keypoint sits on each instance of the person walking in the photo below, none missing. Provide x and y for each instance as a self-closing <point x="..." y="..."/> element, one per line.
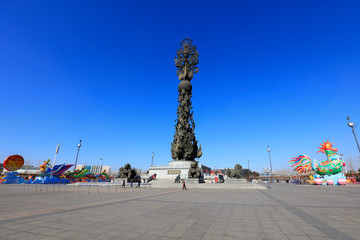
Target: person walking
<point x="131" y="183"/>
<point x="139" y="183"/>
<point x="184" y="185"/>
<point x="123" y="185"/>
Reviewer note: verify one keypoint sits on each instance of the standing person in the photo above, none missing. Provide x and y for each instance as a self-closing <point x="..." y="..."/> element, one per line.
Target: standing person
<point x="123" y="185"/>
<point x="131" y="183"/>
<point x="139" y="183"/>
<point x="184" y="185"/>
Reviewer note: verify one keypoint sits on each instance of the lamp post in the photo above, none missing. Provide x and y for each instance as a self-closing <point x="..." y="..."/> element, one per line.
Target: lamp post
<point x="77" y="155"/>
<point x="56" y="152"/>
<point x="352" y="125"/>
<point x="267" y="170"/>
<point x="248" y="167"/>
<point x="100" y="164"/>
<point x="152" y="159"/>
<point x="268" y="149"/>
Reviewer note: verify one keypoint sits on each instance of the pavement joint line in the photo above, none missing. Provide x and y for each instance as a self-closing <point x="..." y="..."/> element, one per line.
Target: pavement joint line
<point x="273" y="220"/>
<point x="329" y="231"/>
<point x="45" y="212"/>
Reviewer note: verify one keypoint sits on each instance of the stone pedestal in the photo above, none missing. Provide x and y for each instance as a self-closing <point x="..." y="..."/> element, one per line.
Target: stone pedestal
<point x="172" y="170"/>
<point x="192" y="181"/>
<point x="235" y="180"/>
<point x="119" y="180"/>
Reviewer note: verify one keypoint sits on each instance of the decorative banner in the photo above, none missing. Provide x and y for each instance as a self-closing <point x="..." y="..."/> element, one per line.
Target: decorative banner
<point x="13" y="162"/>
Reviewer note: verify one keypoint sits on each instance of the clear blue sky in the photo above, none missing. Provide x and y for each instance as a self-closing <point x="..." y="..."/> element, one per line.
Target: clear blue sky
<point x="284" y="73"/>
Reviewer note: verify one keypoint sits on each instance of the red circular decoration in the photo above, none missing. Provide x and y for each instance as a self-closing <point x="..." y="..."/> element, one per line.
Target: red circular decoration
<point x="13" y="162"/>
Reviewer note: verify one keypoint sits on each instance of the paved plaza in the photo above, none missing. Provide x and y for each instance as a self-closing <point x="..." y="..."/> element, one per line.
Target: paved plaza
<point x="283" y="212"/>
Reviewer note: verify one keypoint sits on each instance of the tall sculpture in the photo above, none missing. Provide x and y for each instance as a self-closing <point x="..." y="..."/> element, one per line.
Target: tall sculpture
<point x="184" y="147"/>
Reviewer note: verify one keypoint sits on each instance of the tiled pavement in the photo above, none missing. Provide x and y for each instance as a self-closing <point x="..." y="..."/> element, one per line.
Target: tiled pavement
<point x="283" y="212"/>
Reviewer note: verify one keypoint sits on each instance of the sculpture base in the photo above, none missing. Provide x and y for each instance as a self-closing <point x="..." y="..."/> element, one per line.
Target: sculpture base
<point x="172" y="170"/>
<point x="236" y="180"/>
<point x="119" y="180"/>
<point x="192" y="180"/>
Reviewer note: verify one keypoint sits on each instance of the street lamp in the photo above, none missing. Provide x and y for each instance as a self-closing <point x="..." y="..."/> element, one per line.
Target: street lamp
<point x="100" y="165"/>
<point x="77" y="155"/>
<point x="56" y="152"/>
<point x="152" y="159"/>
<point x="267" y="170"/>
<point x="352" y="125"/>
<point x="268" y="149"/>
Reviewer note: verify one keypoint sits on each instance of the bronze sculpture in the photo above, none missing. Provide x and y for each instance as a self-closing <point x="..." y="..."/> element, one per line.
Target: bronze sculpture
<point x="126" y="172"/>
<point x="236" y="173"/>
<point x="184" y="146"/>
<point x="194" y="171"/>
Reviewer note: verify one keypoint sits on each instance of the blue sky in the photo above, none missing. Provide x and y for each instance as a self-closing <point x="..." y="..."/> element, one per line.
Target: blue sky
<point x="283" y="73"/>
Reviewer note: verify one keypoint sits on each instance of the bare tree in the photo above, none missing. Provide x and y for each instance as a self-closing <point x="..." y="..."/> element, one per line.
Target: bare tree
<point x="39" y="163"/>
<point x="349" y="163"/>
<point x="27" y="162"/>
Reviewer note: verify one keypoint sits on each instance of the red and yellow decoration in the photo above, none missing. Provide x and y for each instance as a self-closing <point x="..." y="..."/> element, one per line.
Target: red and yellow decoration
<point x="13" y="162"/>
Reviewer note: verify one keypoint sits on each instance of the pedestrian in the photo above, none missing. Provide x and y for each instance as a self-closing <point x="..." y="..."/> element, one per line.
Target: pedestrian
<point x="184" y="185"/>
<point x="139" y="183"/>
<point x="131" y="183"/>
<point x="123" y="186"/>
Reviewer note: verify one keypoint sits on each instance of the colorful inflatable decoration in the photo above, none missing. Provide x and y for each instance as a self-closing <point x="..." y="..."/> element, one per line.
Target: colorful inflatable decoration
<point x="80" y="173"/>
<point x="13" y="163"/>
<point x="318" y="181"/>
<point x="85" y="175"/>
<point x="103" y="176"/>
<point x="329" y="169"/>
<point x="342" y="181"/>
<point x="59" y="170"/>
<point x="48" y="175"/>
<point x="330" y="182"/>
<point x="12" y="178"/>
<point x="45" y="169"/>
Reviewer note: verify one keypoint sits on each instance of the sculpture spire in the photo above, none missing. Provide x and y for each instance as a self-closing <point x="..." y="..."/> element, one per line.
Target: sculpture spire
<point x="184" y="146"/>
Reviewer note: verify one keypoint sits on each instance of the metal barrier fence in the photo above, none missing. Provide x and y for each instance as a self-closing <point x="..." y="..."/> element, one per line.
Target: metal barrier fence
<point x="88" y="188"/>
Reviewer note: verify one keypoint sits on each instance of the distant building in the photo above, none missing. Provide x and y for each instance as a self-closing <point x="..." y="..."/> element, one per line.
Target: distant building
<point x="26" y="170"/>
<point x="204" y="168"/>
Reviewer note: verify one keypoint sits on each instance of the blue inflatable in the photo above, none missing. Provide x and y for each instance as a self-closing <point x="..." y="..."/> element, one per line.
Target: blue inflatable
<point x="12" y="177"/>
